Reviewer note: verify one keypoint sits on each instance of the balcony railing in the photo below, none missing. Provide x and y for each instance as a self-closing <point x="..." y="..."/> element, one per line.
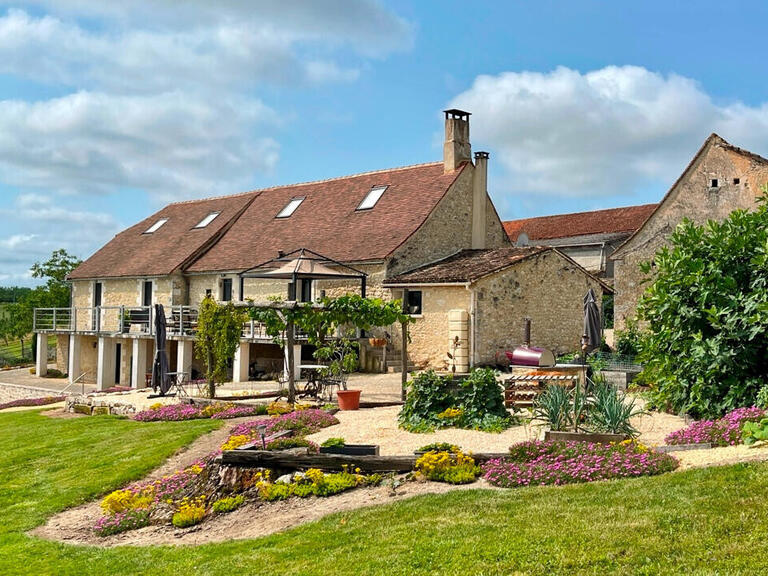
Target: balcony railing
<point x="139" y="320"/>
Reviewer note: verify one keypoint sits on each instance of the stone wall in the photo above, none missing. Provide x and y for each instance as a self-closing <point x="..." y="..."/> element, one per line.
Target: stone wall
<point x="430" y="330"/>
<point x="62" y="353"/>
<point x="548" y="288"/>
<point x="692" y="197"/>
<point x="9" y="392"/>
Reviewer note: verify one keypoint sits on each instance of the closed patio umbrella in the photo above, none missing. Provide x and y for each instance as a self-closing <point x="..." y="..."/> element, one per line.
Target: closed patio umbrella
<point x="160" y="377"/>
<point x="591" y="321"/>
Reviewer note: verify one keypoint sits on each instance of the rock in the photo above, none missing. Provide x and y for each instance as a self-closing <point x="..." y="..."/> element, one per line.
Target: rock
<point x="100" y="410"/>
<point x="284" y="479"/>
<point x="81" y="409"/>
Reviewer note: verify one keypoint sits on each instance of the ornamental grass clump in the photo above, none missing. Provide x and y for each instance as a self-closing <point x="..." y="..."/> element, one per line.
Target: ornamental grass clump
<point x="725" y="431"/>
<point x="543" y="463"/>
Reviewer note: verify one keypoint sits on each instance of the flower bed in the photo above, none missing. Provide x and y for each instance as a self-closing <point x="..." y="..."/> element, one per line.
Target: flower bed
<point x="542" y="463"/>
<point x="177" y="412"/>
<point x="301" y="423"/>
<point x="32" y="402"/>
<point x="725" y="431"/>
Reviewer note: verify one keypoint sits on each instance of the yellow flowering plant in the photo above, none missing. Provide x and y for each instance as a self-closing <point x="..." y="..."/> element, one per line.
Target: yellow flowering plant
<point x="451" y="467"/>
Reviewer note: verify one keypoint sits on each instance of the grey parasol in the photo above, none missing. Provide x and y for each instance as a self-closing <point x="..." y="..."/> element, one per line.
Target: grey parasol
<point x="591" y="321"/>
<point x="160" y="377"/>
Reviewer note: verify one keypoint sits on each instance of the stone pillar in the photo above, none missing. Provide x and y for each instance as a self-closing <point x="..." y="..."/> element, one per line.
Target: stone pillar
<point x="242" y="359"/>
<point x="105" y="363"/>
<point x="139" y="363"/>
<point x="74" y="357"/>
<point x="41" y="360"/>
<point x="126" y="362"/>
<point x="458" y="325"/>
<point x="296" y="362"/>
<point x="184" y="351"/>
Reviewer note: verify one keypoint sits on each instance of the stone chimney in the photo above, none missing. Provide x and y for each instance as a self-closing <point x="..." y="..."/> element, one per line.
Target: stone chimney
<point x="456" y="149"/>
<point x="479" y="201"/>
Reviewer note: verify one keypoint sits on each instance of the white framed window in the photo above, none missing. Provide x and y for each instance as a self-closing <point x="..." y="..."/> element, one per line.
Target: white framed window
<point x="156" y="226"/>
<point x="371" y="198"/>
<point x="290" y="208"/>
<point x="207" y="220"/>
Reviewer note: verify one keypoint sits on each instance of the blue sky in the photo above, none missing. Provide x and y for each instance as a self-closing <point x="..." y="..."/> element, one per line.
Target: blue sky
<point x="110" y="110"/>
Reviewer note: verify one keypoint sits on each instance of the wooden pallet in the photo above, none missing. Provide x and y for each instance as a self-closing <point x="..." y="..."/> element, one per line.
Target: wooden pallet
<point x="522" y="391"/>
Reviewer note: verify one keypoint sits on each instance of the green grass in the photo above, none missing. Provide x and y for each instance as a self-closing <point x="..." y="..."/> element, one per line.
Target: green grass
<point x="711" y="521"/>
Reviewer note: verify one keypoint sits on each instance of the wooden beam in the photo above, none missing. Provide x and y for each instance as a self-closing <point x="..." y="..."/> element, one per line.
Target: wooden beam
<point x="404" y="369"/>
<point x="289" y="461"/>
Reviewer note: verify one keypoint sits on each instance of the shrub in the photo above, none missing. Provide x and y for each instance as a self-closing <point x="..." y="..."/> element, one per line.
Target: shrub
<point x="477" y="402"/>
<point x="287" y="443"/>
<point x="541" y="463"/>
<point x="755" y="431"/>
<point x="228" y="504"/>
<point x="762" y="397"/>
<point x="333" y="442"/>
<point x="628" y="340"/>
<point x="121" y="522"/>
<point x="191" y="511"/>
<point x="725" y="431"/>
<point x="451" y="467"/>
<point x="707" y="340"/>
<point x="439" y="447"/>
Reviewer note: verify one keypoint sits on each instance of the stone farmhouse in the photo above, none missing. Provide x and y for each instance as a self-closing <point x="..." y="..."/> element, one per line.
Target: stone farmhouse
<point x="589" y="238"/>
<point x="431" y="228"/>
<point x="719" y="179"/>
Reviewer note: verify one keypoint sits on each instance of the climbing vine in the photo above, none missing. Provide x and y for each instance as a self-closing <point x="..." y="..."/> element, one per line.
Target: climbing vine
<point x="219" y="327"/>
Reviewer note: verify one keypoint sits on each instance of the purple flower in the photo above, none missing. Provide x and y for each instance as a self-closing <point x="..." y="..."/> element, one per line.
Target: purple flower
<point x="170" y="412"/>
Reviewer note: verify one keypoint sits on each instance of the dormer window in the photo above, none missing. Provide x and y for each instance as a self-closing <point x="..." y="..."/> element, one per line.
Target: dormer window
<point x="207" y="220"/>
<point x="156" y="226"/>
<point x="372" y="198"/>
<point x="290" y="208"/>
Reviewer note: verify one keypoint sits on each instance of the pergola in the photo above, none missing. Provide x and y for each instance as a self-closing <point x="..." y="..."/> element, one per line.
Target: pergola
<point x="303" y="264"/>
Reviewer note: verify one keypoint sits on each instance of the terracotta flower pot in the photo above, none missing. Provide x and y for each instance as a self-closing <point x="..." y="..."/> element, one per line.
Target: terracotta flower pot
<point x="349" y="399"/>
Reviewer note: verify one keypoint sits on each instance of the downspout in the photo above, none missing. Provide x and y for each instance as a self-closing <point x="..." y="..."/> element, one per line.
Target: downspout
<point x="473" y="324"/>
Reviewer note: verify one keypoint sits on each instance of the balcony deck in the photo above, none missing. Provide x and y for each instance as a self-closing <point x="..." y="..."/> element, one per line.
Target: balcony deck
<point x="132" y="321"/>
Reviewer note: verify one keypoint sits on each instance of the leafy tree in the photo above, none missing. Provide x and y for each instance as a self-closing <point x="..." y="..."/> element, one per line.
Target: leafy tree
<point x="55" y="271"/>
<point x="706" y="348"/>
<point x="219" y="327"/>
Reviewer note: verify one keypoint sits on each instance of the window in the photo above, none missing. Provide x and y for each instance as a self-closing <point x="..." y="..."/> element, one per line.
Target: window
<point x="156" y="226"/>
<point x="736" y="180"/>
<point x="146" y="296"/>
<point x="371" y="198"/>
<point x="414" y="302"/>
<point x="207" y="220"/>
<point x="208" y="292"/>
<point x="290" y="208"/>
<point x="713" y="183"/>
<point x="226" y="289"/>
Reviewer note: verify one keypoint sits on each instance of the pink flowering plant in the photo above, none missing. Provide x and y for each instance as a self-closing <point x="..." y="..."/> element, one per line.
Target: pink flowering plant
<point x="543" y="463"/>
<point x="236" y="412"/>
<point x="725" y="431"/>
<point x="169" y="413"/>
<point x="121" y="522"/>
<point x="301" y="423"/>
<point x="32" y="402"/>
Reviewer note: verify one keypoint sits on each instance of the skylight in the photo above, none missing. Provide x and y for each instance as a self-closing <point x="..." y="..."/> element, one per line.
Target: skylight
<point x="371" y="198"/>
<point x="156" y="226"/>
<point x="290" y="208"/>
<point x="207" y="220"/>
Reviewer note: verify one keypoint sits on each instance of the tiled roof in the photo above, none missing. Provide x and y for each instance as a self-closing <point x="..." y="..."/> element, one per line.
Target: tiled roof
<point x="327" y="221"/>
<point x="467" y="265"/>
<point x="613" y="220"/>
<point x="247" y="232"/>
<point x="175" y="243"/>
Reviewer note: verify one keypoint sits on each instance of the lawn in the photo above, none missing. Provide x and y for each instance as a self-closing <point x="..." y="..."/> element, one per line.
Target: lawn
<point x="710" y="521"/>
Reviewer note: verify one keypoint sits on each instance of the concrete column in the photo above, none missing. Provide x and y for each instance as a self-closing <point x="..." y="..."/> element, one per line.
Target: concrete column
<point x="139" y="363"/>
<point x="41" y="360"/>
<point x="73" y="370"/>
<point x="458" y="326"/>
<point x="242" y="360"/>
<point x="296" y="362"/>
<point x="184" y="351"/>
<point x="105" y="363"/>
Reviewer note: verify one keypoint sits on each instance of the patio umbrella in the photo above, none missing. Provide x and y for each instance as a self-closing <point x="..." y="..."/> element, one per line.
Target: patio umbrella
<point x="160" y="365"/>
<point x="591" y="321"/>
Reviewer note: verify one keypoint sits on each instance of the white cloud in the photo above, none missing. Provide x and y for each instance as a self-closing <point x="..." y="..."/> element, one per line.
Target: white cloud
<point x="609" y="131"/>
<point x="15" y="241"/>
<point x="172" y="144"/>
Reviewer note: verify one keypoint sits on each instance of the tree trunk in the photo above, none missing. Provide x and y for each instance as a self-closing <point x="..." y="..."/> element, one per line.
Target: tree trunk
<point x="291" y="362"/>
<point x="211" y="383"/>
<point x="21" y="341"/>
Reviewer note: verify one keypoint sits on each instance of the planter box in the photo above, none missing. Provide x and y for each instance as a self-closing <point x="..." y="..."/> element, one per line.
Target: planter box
<point x="352" y="449"/>
<point x="551" y="435"/>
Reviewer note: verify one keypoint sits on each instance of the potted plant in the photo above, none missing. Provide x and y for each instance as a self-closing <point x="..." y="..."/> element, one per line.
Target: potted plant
<point x="339" y="446"/>
<point x="341" y="355"/>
